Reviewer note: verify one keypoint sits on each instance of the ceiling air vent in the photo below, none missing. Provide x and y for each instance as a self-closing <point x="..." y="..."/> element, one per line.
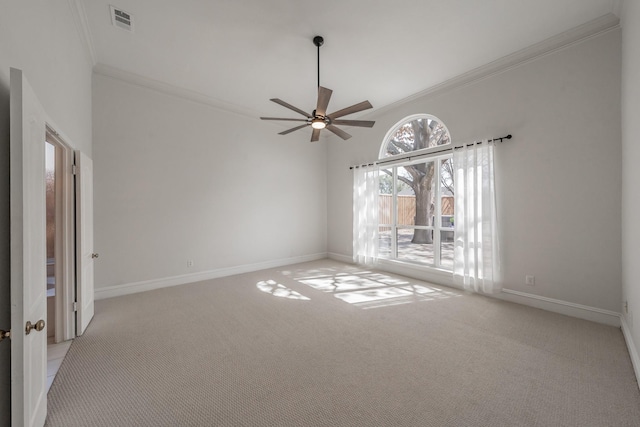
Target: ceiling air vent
<point x="121" y="19"/>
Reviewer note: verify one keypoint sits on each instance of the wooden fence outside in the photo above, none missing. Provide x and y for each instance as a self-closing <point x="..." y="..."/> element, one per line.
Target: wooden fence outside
<point x="406" y="208"/>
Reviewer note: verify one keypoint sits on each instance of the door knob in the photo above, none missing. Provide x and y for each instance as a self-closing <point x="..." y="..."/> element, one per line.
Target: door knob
<point x="94" y="255"/>
<point x="38" y="326"/>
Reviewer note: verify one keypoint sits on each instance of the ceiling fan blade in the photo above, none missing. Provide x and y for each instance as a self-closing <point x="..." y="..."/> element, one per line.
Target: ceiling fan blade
<point x="280" y="118"/>
<point x="342" y="134"/>
<point x="324" y="95"/>
<point x="292" y="129"/>
<point x="360" y="123"/>
<point x="364" y="105"/>
<point x="289" y="106"/>
<point x="315" y="135"/>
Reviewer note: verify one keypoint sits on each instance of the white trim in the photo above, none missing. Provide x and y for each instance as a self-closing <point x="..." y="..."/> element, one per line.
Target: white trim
<point x="382" y="154"/>
<point x="148" y="285"/>
<point x="340" y="257"/>
<point x="579" y="34"/>
<point x="84" y="31"/>
<point x="633" y="353"/>
<point x="168" y="89"/>
<point x="593" y="314"/>
<point x="64" y="240"/>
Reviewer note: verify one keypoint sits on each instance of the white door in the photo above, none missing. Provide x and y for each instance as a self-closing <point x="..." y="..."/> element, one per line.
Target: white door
<point x="28" y="256"/>
<point x="84" y="241"/>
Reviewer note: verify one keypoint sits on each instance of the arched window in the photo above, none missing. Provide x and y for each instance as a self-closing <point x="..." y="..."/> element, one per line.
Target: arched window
<point x="415" y="217"/>
<point x="419" y="132"/>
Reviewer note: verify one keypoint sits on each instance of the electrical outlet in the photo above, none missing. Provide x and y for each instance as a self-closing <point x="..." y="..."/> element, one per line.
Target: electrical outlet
<point x="190" y="263"/>
<point x="530" y="280"/>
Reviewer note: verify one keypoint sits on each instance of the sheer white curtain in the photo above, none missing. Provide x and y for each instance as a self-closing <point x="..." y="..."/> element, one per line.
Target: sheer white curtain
<point x="365" y="214"/>
<point x="476" y="262"/>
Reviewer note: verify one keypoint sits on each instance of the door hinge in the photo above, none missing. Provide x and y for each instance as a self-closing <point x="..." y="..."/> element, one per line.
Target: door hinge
<point x="4" y="334"/>
<point x="75" y="306"/>
<point x="73" y="169"/>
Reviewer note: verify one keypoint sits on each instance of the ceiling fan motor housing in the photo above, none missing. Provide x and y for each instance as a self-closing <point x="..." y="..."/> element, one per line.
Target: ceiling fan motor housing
<point x="315" y="115"/>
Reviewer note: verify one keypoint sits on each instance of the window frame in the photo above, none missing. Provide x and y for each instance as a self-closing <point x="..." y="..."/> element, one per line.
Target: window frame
<point x="382" y="154"/>
<point x="435" y="154"/>
<point x="437" y="227"/>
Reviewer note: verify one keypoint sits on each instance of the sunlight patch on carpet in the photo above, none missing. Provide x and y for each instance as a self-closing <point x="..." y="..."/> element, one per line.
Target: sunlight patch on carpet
<point x="277" y="290"/>
<point x="369" y="289"/>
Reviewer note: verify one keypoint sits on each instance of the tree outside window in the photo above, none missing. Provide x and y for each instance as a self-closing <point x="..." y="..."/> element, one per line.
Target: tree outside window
<point x="416" y="206"/>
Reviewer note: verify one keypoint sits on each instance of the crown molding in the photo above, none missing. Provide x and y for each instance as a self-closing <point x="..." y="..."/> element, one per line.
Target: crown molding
<point x="597" y="27"/>
<point x="166" y="88"/>
<point x="82" y="26"/>
<point x="182" y="93"/>
<point x="579" y="34"/>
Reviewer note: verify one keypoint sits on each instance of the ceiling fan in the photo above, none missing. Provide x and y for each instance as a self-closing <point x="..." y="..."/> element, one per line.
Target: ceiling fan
<point x="319" y="119"/>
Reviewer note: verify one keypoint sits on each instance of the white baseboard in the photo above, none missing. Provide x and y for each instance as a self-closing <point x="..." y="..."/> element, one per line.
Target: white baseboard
<point x="580" y="311"/>
<point x="342" y="258"/>
<point x="633" y="352"/>
<point x="148" y="285"/>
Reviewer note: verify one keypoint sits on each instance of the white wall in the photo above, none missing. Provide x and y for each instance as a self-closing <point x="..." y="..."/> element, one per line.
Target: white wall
<point x="631" y="170"/>
<point x="177" y="180"/>
<point x="558" y="180"/>
<point x="39" y="37"/>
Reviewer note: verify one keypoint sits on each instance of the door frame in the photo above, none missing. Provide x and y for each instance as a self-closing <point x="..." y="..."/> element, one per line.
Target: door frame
<point x="65" y="326"/>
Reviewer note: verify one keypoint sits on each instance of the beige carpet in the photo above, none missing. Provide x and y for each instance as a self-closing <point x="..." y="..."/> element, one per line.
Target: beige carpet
<point x="329" y="344"/>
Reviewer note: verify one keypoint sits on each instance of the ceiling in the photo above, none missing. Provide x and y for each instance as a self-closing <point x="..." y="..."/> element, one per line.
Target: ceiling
<point x="239" y="54"/>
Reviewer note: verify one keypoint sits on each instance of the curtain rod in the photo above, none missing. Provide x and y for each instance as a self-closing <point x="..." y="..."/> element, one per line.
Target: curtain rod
<point x="430" y="153"/>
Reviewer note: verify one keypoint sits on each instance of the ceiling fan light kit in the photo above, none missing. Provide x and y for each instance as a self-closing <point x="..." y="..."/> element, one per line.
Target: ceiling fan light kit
<point x="319" y="119"/>
<point x="318" y="123"/>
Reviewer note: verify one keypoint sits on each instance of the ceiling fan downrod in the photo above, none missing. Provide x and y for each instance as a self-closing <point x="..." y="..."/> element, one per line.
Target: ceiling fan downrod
<point x="318" y="41"/>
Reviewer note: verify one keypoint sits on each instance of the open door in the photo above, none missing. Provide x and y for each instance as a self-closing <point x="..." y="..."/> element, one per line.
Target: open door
<point x="28" y="256"/>
<point x="84" y="241"/>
